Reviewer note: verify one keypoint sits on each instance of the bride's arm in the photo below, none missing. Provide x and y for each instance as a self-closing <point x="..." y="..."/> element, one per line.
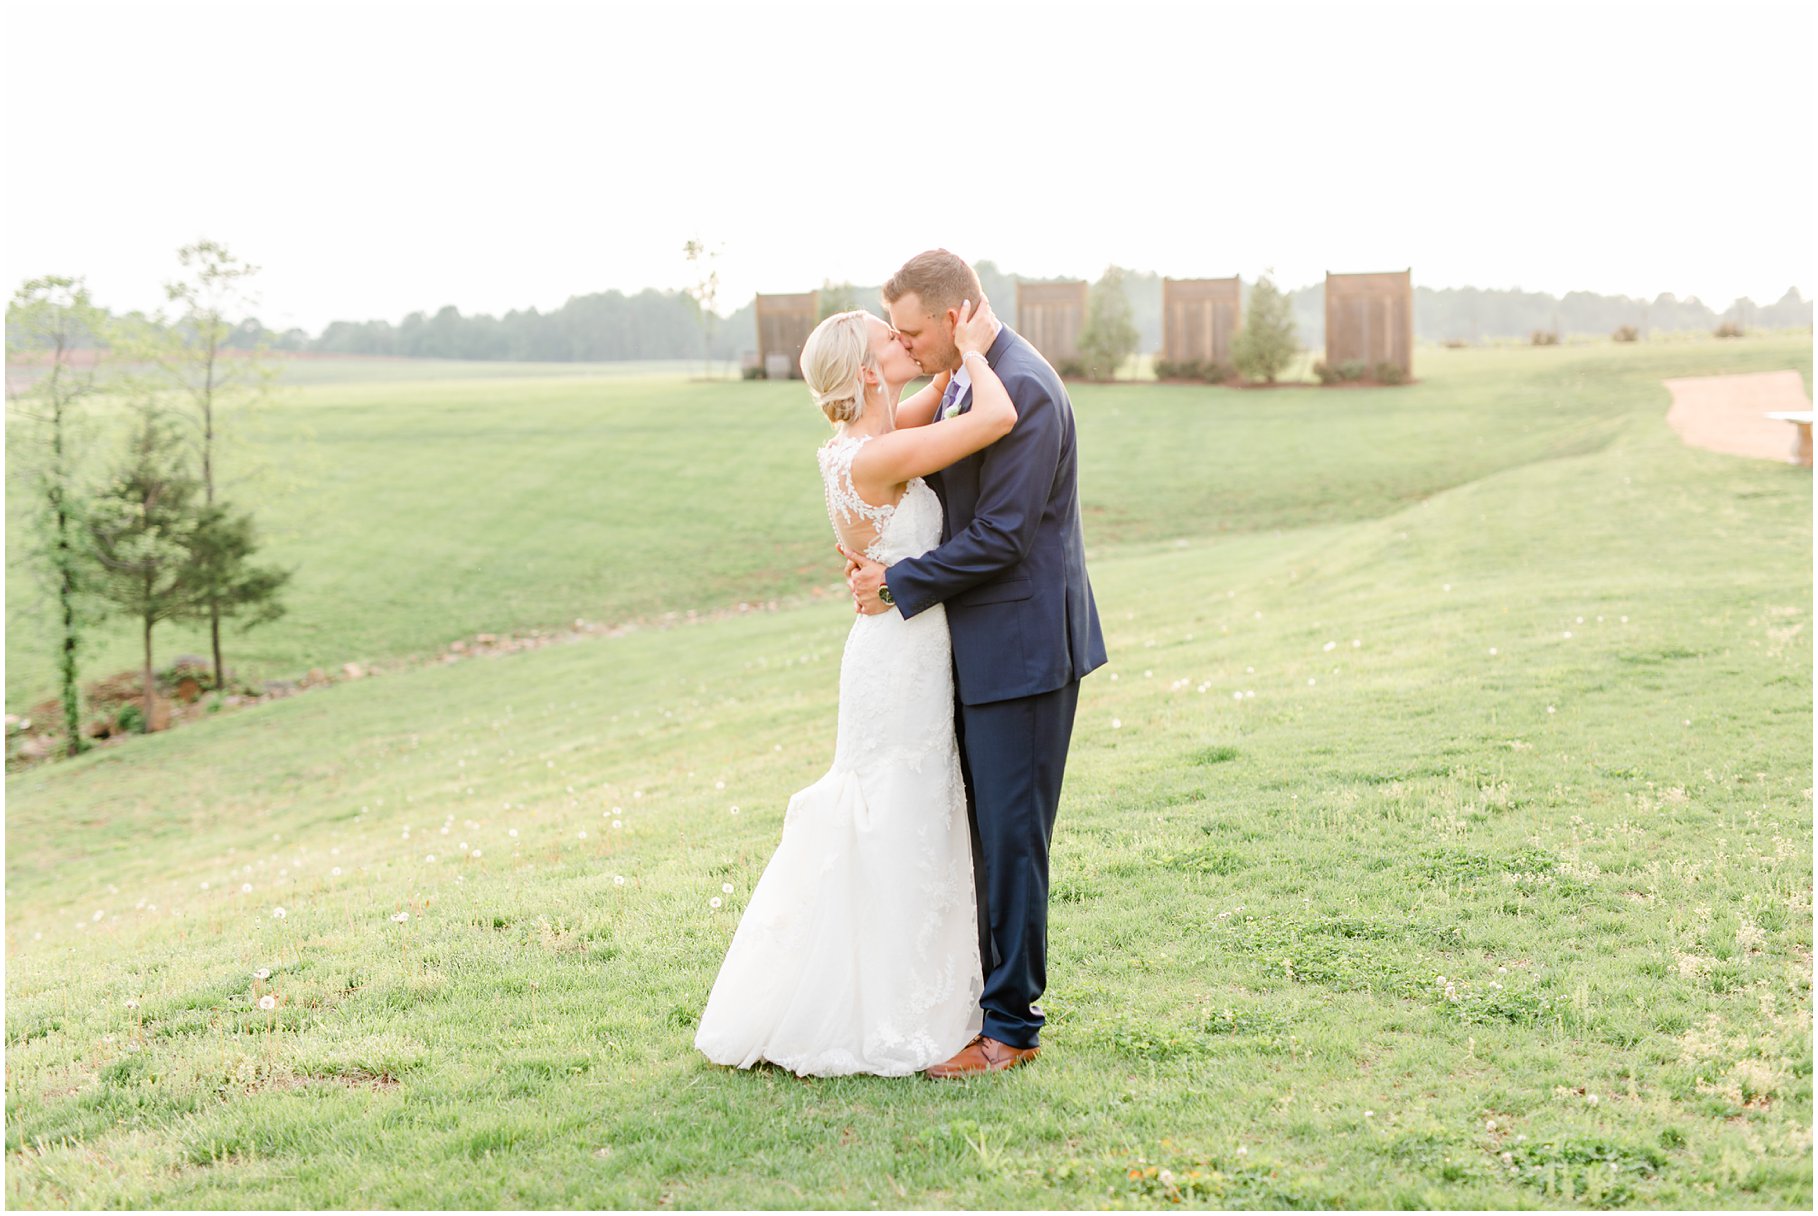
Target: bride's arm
<point x="893" y="458"/>
<point x="918" y="410"/>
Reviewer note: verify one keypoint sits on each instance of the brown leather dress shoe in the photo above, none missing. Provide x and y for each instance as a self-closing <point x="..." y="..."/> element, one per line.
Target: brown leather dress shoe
<point x="983" y="1055"/>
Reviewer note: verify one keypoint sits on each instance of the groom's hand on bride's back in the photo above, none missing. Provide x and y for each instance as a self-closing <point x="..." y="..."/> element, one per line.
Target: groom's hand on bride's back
<point x="863" y="578"/>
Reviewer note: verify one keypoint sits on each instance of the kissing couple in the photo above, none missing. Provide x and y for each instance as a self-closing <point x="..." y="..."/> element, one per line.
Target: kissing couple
<point x="901" y="926"/>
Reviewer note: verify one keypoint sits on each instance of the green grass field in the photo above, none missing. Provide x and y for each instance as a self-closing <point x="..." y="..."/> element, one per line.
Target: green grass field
<point x="1440" y="834"/>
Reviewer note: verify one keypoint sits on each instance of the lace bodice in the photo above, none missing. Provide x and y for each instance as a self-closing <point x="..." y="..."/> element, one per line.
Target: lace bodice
<point x="887" y="533"/>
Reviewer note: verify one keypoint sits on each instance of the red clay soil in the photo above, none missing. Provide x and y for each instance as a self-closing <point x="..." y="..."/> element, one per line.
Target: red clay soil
<point x="1729" y="413"/>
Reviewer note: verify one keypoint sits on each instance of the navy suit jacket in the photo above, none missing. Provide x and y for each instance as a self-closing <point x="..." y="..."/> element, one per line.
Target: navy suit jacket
<point x="1011" y="567"/>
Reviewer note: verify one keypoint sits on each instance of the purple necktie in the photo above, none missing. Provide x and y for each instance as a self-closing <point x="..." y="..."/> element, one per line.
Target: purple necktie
<point x="950" y="396"/>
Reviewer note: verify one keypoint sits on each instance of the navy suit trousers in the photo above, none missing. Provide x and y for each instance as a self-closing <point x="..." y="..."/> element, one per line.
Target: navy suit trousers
<point x="1013" y="754"/>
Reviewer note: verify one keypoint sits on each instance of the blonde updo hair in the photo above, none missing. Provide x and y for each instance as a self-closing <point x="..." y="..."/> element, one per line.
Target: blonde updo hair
<point x="832" y="360"/>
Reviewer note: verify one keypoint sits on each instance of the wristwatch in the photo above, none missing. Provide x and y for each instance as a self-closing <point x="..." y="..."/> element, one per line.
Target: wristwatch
<point x="884" y="597"/>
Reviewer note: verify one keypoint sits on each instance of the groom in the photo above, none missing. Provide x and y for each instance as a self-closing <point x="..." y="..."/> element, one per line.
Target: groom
<point x="1011" y="570"/>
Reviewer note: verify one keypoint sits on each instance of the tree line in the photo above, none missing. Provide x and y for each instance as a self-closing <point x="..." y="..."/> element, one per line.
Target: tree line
<point x="650" y="324"/>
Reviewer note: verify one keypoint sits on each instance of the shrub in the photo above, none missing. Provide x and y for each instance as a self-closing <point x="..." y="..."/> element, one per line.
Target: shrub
<point x="130" y="720"/>
<point x="754" y="372"/>
<point x="1071" y="369"/>
<point x="1390" y="373"/>
<point x="1267" y="343"/>
<point x="1109" y="336"/>
<point x="1729" y="329"/>
<point x="1456" y="344"/>
<point x="1543" y="337"/>
<point x="1626" y="333"/>
<point x="1351" y="371"/>
<point x="1206" y="370"/>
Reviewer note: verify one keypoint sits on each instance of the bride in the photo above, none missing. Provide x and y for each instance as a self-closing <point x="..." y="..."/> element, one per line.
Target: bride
<point x="858" y="952"/>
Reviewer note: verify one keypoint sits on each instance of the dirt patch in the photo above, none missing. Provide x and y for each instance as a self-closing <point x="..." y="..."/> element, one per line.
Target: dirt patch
<point x="1729" y="413"/>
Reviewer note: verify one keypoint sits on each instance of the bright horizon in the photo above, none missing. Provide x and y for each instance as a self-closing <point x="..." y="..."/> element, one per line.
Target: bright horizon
<point x="381" y="159"/>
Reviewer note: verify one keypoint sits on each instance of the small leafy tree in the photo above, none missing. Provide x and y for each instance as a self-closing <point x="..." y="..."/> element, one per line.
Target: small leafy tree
<point x="1267" y="342"/>
<point x="53" y="321"/>
<point x="704" y="291"/>
<point x="191" y="350"/>
<point x="1109" y="336"/>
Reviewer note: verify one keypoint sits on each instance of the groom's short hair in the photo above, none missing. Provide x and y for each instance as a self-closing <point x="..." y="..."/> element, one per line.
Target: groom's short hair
<point x="941" y="280"/>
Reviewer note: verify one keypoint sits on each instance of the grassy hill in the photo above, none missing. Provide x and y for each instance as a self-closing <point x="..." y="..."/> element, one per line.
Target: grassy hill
<point x="1440" y="834"/>
<point x="418" y="513"/>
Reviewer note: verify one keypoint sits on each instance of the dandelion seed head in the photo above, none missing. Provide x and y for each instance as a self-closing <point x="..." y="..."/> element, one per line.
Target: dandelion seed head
<point x="279" y="913"/>
<point x="268" y="1001"/>
<point x="714" y="902"/>
<point x="1117" y="723"/>
<point x="618" y="880"/>
<point x="726" y="887"/>
<point x="400" y="917"/>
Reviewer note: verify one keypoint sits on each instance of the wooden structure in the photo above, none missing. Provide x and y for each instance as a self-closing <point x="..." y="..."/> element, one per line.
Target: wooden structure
<point x="1050" y="316"/>
<point x="1370" y="320"/>
<point x="783" y="325"/>
<point x="1199" y="319"/>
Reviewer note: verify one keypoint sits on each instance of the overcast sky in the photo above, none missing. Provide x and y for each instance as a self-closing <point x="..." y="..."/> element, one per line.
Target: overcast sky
<point x="379" y="158"/>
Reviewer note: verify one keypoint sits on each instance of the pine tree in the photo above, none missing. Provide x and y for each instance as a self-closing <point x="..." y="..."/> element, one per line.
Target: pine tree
<point x="142" y="533"/>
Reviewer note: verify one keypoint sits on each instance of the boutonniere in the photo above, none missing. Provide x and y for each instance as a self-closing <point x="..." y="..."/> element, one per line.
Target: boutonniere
<point x="951" y="410"/>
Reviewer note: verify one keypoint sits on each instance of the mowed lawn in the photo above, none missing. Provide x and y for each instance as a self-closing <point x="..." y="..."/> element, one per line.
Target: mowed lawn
<point x="418" y="513"/>
<point x="1439" y="835"/>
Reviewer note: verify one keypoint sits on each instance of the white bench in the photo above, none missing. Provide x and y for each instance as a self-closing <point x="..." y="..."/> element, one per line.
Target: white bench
<point x="1802" y="439"/>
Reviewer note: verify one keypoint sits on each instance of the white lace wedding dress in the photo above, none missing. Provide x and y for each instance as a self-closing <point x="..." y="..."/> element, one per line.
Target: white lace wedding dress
<point x="858" y="952"/>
